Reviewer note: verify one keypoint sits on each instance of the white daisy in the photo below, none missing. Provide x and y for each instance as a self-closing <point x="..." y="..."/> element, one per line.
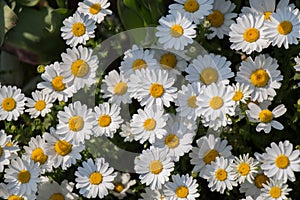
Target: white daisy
<point x="152" y="194"/>
<point x="263" y="76"/>
<point x="242" y="93"/>
<point x="122" y="184"/>
<point x="175" y="31"/>
<point x="274" y="190"/>
<point x="207" y="150"/>
<point x="12" y="103"/>
<point x="154" y="167"/>
<point x="115" y="87"/>
<point x="195" y="10"/>
<point x="265" y="117"/>
<point x="95" y="9"/>
<point x="6" y="194"/>
<point x="54" y="83"/>
<point x="126" y="132"/>
<point x="5" y="150"/>
<point x="218" y="175"/>
<point x="280" y="161"/>
<point x="248" y="34"/>
<point x="61" y="152"/>
<point x="283" y="28"/>
<point x="152" y="87"/>
<point x="78" y="29"/>
<point x="95" y="178"/>
<point x="79" y="67"/>
<point x="108" y="119"/>
<point x="75" y="123"/>
<point x="40" y="104"/>
<point x="209" y="69"/>
<point x="149" y="124"/>
<point x="221" y="19"/>
<point x="22" y="177"/>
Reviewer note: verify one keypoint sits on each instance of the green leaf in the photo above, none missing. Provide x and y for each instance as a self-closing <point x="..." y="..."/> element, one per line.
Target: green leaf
<point x="7" y="20"/>
<point x="61" y="3"/>
<point x="129" y="17"/>
<point x="28" y="3"/>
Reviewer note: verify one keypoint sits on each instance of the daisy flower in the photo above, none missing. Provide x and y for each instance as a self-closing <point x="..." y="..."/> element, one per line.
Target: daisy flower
<point x="283" y="28"/>
<point x="79" y="67"/>
<point x="263" y="76"/>
<point x="6" y="194"/>
<point x="152" y="87"/>
<point x="12" y="102"/>
<point x="195" y="10"/>
<point x="54" y="83"/>
<point x="94" y="9"/>
<point x="115" y="87"/>
<point x="75" y="123"/>
<point x="187" y="100"/>
<point x="209" y="69"/>
<point x="243" y="168"/>
<point x="126" y="132"/>
<point x="149" y="124"/>
<point x="207" y="150"/>
<point x="78" y="29"/>
<point x="61" y="152"/>
<point x="36" y="151"/>
<point x="274" y="190"/>
<point x="221" y="19"/>
<point x="248" y="34"/>
<point x="154" y="167"/>
<point x="242" y="93"/>
<point x="5" y="150"/>
<point x="136" y="59"/>
<point x="175" y="31"/>
<point x="218" y="175"/>
<point x="181" y="187"/>
<point x="122" y="184"/>
<point x="108" y="118"/>
<point x="152" y="194"/>
<point x="95" y="178"/>
<point x="265" y="117"/>
<point x="280" y="161"/>
<point x="40" y="104"/>
<point x="22" y="177"/>
<point x="53" y="190"/>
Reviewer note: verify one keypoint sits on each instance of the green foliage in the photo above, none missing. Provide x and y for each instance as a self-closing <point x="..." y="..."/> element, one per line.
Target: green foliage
<point x="7" y="20"/>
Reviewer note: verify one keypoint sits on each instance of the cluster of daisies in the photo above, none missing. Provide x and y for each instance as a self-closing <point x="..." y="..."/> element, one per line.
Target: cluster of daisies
<point x="203" y="91"/>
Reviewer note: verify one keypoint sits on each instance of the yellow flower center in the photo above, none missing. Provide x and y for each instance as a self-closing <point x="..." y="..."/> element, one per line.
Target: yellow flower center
<point x="191" y="6"/>
<point x="62" y="147"/>
<point x="156" y="90"/>
<point x="238" y="95"/>
<point x="192" y="101"/>
<point x="267" y="15"/>
<point x="78" y="29"/>
<point x="176" y="31"/>
<point x="15" y="197"/>
<point x="79" y="68"/>
<point x="282" y="161"/>
<point x="155" y="167"/>
<point x="38" y="155"/>
<point x="57" y="83"/>
<point x="40" y="105"/>
<point x="8" y="104"/>
<point x="95" y="8"/>
<point x="216" y="18"/>
<point x="120" y="88"/>
<point x="221" y="174"/>
<point x="168" y="60"/>
<point x="24" y="176"/>
<point x="259" y="78"/>
<point x="119" y="187"/>
<point x="104" y="120"/>
<point x="209" y="75"/>
<point x="260" y="179"/>
<point x="251" y="35"/>
<point x="275" y="192"/>
<point x="182" y="191"/>
<point x="96" y="178"/>
<point x="57" y="196"/>
<point x="210" y="156"/>
<point x="9" y="144"/>
<point x="139" y="64"/>
<point x="172" y="141"/>
<point x="149" y="124"/>
<point x="285" y="27"/>
<point x="216" y="102"/>
<point x="265" y="116"/>
<point x="244" y="169"/>
<point x="76" y="123"/>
